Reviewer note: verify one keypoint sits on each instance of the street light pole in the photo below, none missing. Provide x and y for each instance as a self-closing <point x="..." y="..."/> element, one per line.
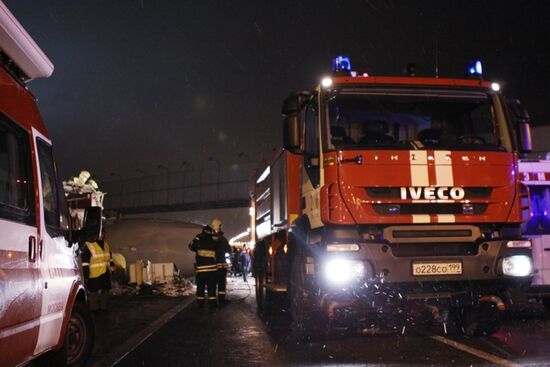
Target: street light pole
<point x="143" y="175"/>
<point x="212" y="159"/>
<point x="113" y="174"/>
<point x="184" y="166"/>
<point x="160" y="166"/>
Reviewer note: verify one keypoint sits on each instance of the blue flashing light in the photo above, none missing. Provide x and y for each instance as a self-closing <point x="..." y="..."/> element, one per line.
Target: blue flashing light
<point x="341" y="63"/>
<point x="475" y="68"/>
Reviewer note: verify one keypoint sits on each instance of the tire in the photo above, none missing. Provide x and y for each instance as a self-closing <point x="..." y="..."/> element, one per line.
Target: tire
<point x="260" y="290"/>
<point x="78" y="343"/>
<point x="481" y="320"/>
<point x="307" y="320"/>
<point x="260" y="268"/>
<point x="80" y="334"/>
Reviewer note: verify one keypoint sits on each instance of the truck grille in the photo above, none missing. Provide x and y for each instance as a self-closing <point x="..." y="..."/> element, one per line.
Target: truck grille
<point x="427" y="208"/>
<point x="432" y="234"/>
<point x="432" y="249"/>
<point x="395" y="192"/>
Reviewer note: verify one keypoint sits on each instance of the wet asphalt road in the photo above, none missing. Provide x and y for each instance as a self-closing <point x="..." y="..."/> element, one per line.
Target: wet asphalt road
<point x="235" y="335"/>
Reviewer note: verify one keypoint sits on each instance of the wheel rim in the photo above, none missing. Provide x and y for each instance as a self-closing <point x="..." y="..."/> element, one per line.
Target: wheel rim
<point x="76" y="338"/>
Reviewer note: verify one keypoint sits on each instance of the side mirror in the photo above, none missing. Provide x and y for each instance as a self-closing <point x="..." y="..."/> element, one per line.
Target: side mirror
<point x="92" y="222"/>
<point x="292" y="134"/>
<point x="524" y="137"/>
<point x="293" y="124"/>
<point x="522" y="124"/>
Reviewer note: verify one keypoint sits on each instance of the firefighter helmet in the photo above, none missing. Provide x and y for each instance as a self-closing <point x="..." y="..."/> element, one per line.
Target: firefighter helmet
<point x="216" y="225"/>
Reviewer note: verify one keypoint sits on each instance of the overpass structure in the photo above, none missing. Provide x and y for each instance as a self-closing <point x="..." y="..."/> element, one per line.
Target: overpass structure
<point x="183" y="190"/>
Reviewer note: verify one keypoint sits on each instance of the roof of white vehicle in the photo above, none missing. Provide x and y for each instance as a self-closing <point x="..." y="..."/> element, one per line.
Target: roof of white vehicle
<point x="16" y="43"/>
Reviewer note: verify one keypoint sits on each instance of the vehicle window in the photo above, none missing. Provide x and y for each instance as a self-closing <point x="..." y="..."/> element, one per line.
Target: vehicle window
<point x="55" y="210"/>
<point x="539" y="222"/>
<point x="312" y="136"/>
<point x="16" y="179"/>
<point x="409" y="119"/>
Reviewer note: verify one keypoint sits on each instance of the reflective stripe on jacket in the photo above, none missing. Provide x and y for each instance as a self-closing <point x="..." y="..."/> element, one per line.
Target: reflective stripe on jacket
<point x="99" y="259"/>
<point x="205" y="268"/>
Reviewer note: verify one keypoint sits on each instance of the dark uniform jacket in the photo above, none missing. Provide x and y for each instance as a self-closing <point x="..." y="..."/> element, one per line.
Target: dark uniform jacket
<point x="205" y="248"/>
<point x="223" y="248"/>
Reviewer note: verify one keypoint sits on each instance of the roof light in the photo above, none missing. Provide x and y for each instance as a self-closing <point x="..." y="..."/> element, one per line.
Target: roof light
<point x="341" y="63"/>
<point x="495" y="87"/>
<point x="326" y="82"/>
<point x="474" y="68"/>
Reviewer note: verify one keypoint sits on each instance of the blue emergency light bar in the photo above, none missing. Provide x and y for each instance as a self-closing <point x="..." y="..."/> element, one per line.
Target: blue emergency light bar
<point x="341" y="63"/>
<point x="474" y="68"/>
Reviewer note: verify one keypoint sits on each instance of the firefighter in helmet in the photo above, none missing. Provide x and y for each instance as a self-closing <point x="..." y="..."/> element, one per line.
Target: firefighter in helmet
<point x="97" y="265"/>
<point x="205" y="247"/>
<point x="222" y="251"/>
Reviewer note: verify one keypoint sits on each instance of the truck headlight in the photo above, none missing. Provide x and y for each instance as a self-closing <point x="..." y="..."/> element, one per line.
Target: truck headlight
<point x="341" y="271"/>
<point x="517" y="266"/>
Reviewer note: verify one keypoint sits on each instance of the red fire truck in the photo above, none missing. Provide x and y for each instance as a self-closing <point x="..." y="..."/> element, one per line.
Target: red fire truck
<point x="392" y="194"/>
<point x="43" y="309"/>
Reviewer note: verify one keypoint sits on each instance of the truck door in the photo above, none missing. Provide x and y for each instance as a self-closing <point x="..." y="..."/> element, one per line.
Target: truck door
<point x="56" y="258"/>
<point x="19" y="292"/>
<point x="311" y="174"/>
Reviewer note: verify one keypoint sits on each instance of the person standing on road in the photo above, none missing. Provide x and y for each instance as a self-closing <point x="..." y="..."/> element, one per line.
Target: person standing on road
<point x="97" y="265"/>
<point x="222" y="249"/>
<point x="245" y="263"/>
<point x="205" y="247"/>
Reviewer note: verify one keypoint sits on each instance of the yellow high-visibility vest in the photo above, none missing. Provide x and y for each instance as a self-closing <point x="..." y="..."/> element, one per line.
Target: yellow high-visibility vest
<point x="99" y="259"/>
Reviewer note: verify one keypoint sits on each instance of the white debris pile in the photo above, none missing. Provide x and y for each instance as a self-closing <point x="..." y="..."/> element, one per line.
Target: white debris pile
<point x="123" y="290"/>
<point x="182" y="287"/>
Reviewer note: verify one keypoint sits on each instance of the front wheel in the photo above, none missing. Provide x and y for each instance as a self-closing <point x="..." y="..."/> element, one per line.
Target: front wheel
<point x="307" y="319"/>
<point x="481" y="320"/>
<point x="78" y="343"/>
<point x="80" y="335"/>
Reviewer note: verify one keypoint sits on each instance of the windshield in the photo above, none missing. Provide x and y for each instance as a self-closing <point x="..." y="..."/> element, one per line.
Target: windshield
<point x="412" y="119"/>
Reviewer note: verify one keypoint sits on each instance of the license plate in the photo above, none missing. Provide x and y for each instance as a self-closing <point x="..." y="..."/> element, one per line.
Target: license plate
<point x="436" y="268"/>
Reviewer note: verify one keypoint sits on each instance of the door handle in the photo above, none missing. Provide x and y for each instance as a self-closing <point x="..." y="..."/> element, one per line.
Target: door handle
<point x="41" y="249"/>
<point x="32" y="249"/>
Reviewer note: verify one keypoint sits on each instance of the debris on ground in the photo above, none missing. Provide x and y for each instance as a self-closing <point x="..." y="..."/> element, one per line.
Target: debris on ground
<point x="177" y="288"/>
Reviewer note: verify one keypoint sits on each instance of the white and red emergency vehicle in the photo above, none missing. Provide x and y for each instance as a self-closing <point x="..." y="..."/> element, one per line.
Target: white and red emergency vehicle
<point x="43" y="309"/>
<point x="535" y="174"/>
<point x="392" y="192"/>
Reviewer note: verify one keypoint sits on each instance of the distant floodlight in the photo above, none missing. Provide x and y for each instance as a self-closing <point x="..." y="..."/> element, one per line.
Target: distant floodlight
<point x="495" y="87"/>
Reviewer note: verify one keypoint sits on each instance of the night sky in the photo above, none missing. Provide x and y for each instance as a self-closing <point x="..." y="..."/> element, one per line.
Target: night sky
<point x="139" y="83"/>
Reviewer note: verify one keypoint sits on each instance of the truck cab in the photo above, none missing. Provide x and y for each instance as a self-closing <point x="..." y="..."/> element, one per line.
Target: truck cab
<point x="43" y="309"/>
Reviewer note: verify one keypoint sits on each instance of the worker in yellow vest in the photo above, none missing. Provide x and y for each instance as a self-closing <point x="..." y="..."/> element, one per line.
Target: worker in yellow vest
<point x="97" y="264"/>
